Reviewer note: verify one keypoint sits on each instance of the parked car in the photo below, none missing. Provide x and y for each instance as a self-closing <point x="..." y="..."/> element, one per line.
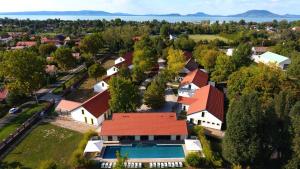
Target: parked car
<point x="14" y="110"/>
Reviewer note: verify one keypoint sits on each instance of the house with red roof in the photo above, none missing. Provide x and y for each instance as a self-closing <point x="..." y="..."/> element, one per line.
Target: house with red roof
<point x="150" y="126"/>
<point x="205" y="108"/>
<point x="125" y="60"/>
<point x="26" y="44"/>
<point x="190" y="65"/>
<point x="92" y="111"/>
<point x="191" y="82"/>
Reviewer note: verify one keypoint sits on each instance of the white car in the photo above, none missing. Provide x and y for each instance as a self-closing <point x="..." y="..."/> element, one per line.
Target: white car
<point x="14" y="110"/>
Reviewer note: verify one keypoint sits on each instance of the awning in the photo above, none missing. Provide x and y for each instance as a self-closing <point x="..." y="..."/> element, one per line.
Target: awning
<point x="193" y="145"/>
<point x="93" y="146"/>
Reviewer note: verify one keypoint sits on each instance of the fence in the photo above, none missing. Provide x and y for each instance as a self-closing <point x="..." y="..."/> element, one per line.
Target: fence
<point x="6" y="143"/>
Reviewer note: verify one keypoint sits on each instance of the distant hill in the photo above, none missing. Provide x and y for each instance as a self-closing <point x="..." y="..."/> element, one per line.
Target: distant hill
<point x="257" y="14"/>
<point x="248" y="14"/>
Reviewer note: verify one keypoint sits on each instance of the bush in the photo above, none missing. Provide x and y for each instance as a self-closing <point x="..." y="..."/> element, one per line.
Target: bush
<point x="48" y="164"/>
<point x="193" y="160"/>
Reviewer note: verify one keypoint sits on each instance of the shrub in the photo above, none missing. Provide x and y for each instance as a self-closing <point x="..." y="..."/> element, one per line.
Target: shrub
<point x="48" y="164"/>
<point x="193" y="160"/>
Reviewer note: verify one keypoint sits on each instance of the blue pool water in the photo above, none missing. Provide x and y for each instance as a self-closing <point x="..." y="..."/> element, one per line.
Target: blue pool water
<point x="145" y="151"/>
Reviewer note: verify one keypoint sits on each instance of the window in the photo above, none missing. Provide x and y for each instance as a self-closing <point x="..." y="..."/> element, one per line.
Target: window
<point x="92" y="121"/>
<point x="82" y="111"/>
<point x="85" y="119"/>
<point x="190" y="86"/>
<point x="203" y="113"/>
<point x="208" y="122"/>
<point x="218" y="124"/>
<point x="178" y="137"/>
<point x="184" y="108"/>
<point x="102" y="84"/>
<point x="203" y="121"/>
<point x="213" y="123"/>
<point x="199" y="122"/>
<point x="192" y="120"/>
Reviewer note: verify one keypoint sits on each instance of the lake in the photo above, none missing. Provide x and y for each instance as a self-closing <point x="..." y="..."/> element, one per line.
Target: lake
<point x="171" y="19"/>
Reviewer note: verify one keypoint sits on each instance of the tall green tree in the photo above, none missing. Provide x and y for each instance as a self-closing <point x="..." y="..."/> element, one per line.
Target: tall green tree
<point x="91" y="44"/>
<point x="207" y="56"/>
<point x="223" y="69"/>
<point x="176" y="61"/>
<point x="125" y="96"/>
<point x="242" y="55"/>
<point x="65" y="60"/>
<point x="165" y="31"/>
<point x="120" y="161"/>
<point x="294" y="67"/>
<point x="24" y="71"/>
<point x="154" y="96"/>
<point x="96" y="70"/>
<point x="47" y="49"/>
<point x="248" y="140"/>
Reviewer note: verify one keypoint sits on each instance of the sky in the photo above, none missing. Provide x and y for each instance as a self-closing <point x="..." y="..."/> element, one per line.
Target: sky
<point x="223" y="7"/>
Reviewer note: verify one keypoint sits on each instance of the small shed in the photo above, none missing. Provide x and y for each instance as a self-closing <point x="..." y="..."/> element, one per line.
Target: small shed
<point x="192" y="145"/>
<point x="94" y="146"/>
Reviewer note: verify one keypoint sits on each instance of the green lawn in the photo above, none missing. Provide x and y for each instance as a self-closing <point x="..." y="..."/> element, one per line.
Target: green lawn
<point x="21" y="118"/>
<point x="45" y="142"/>
<point x="199" y="37"/>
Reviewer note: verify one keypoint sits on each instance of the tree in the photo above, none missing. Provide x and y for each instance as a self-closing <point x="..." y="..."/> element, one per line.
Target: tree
<point x="155" y="94"/>
<point x="23" y="70"/>
<point x="96" y="71"/>
<point x="176" y="61"/>
<point x="206" y="56"/>
<point x="48" y="164"/>
<point x="265" y="80"/>
<point x="92" y="44"/>
<point x="125" y="96"/>
<point x="294" y="162"/>
<point x="144" y="59"/>
<point x="165" y="31"/>
<point x="294" y="67"/>
<point x="64" y="58"/>
<point x="120" y="161"/>
<point x="193" y="159"/>
<point x="248" y="140"/>
<point x="184" y="43"/>
<point x="47" y="49"/>
<point x="223" y="69"/>
<point x="242" y="55"/>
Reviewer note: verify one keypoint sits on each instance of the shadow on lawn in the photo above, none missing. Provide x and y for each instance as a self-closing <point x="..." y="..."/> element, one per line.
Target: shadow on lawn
<point x="12" y="165"/>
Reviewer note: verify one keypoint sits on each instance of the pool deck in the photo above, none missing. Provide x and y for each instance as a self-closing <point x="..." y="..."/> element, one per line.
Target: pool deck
<point x="140" y="160"/>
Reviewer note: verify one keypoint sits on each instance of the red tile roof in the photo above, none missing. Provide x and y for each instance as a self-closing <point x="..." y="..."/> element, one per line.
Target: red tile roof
<point x="139" y="124"/>
<point x="261" y="49"/>
<point x="66" y="105"/>
<point x="128" y="60"/>
<point x="186" y="100"/>
<point x="208" y="98"/>
<point x="3" y="94"/>
<point x="197" y="77"/>
<point x="26" y="43"/>
<point x="98" y="104"/>
<point x="188" y="55"/>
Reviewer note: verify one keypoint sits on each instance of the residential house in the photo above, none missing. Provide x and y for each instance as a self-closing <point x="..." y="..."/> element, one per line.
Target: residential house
<point x="26" y="44"/>
<point x="205" y="108"/>
<point x="92" y="111"/>
<point x="296" y="28"/>
<point x="144" y="127"/>
<point x="270" y="58"/>
<point x="190" y="65"/>
<point x="259" y="50"/>
<point x="126" y="60"/>
<point x="191" y="82"/>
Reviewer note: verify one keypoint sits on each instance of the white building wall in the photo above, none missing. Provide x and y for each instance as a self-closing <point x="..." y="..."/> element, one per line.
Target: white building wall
<point x="286" y="62"/>
<point x="187" y="91"/>
<point x="112" y="71"/>
<point x="208" y="120"/>
<point x="119" y="60"/>
<point x="184" y="107"/>
<point x="78" y="116"/>
<point x="100" y="87"/>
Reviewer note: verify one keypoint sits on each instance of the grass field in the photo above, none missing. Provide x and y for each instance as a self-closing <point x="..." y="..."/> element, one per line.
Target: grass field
<point x="21" y="118"/>
<point x="199" y="37"/>
<point x="45" y="142"/>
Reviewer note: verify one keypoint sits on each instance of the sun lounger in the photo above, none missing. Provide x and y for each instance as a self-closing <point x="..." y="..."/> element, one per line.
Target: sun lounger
<point x="158" y="165"/>
<point x="102" y="165"/>
<point x="125" y="164"/>
<point x="154" y="165"/>
<point x="166" y="165"/>
<point x="136" y="165"/>
<point x="150" y="165"/>
<point x="162" y="165"/>
<point x="106" y="165"/>
<point x="110" y="165"/>
<point x="176" y="164"/>
<point x="140" y="165"/>
<point x="169" y="164"/>
<point x="129" y="165"/>
<point x="180" y="164"/>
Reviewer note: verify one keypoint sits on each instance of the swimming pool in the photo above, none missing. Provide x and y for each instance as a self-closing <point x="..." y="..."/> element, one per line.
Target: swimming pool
<point x="145" y="151"/>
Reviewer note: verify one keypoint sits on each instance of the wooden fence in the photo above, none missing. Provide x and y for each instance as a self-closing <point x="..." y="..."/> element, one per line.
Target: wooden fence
<point x="12" y="138"/>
